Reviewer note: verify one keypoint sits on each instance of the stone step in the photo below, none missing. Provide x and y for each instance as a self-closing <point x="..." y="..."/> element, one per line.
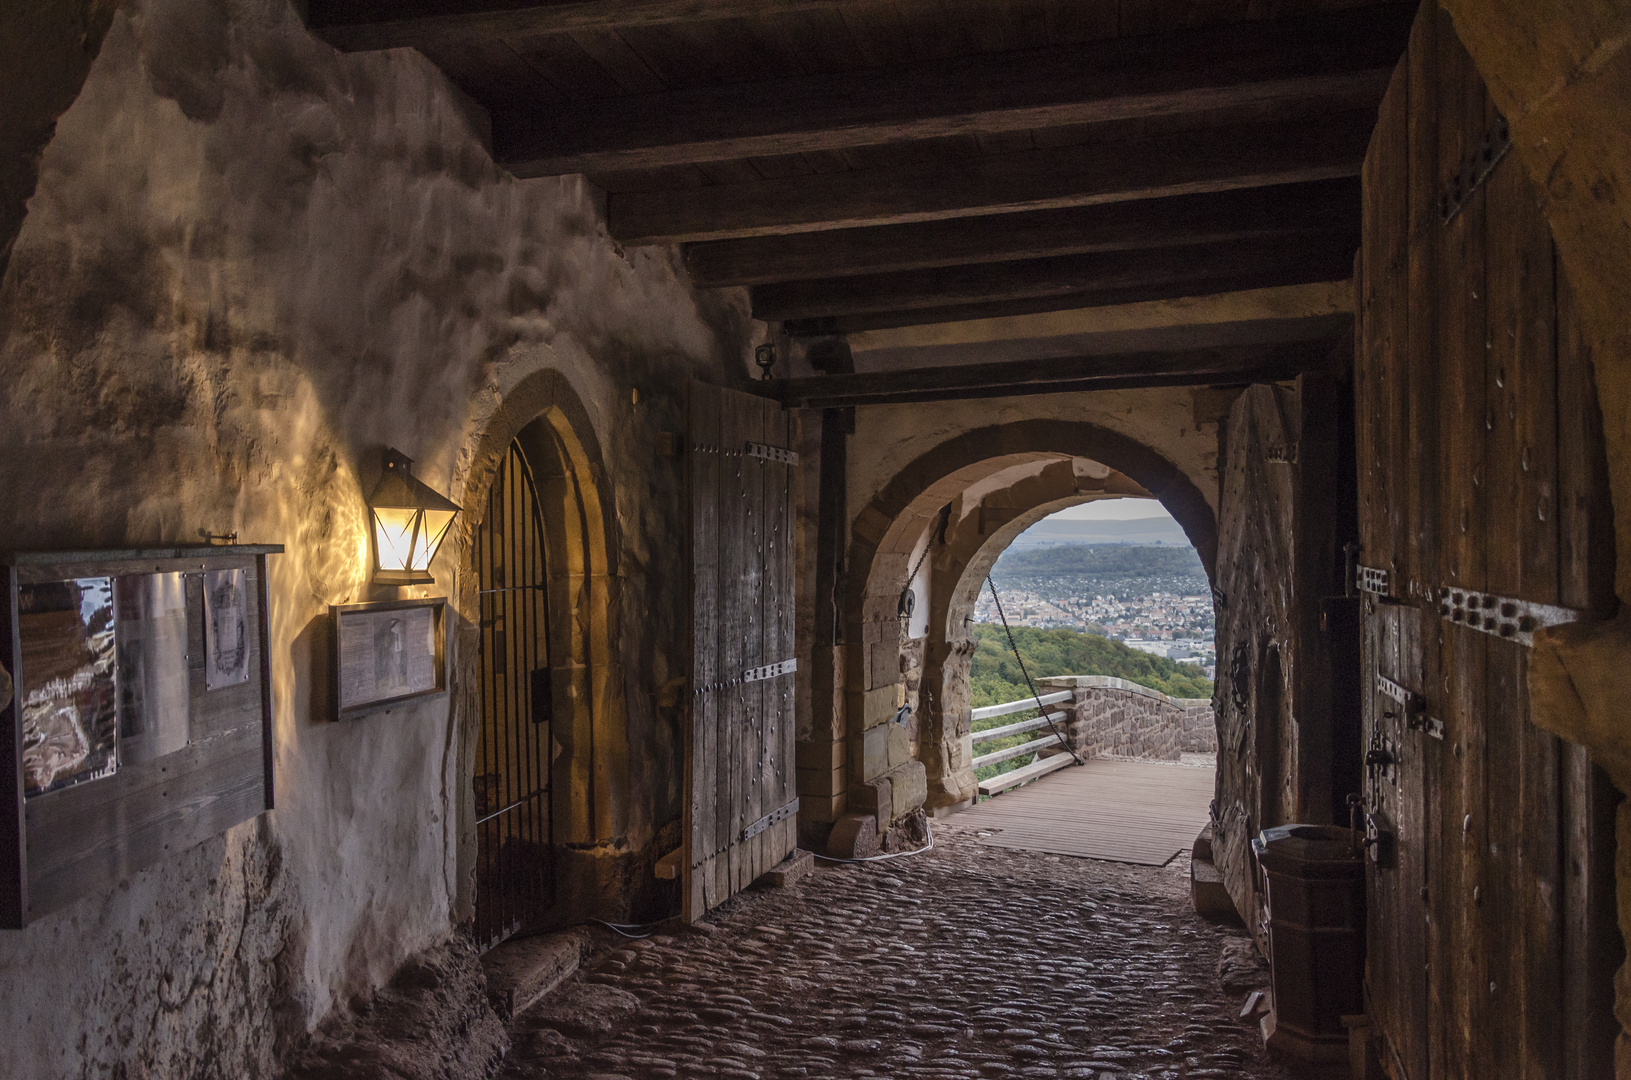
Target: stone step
<point x="1208" y="893"/>
<point x="789" y="870"/>
<point x="522" y="970"/>
<point x="1203" y="844"/>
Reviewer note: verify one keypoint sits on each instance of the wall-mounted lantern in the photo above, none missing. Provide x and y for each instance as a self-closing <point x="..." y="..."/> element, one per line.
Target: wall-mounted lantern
<point x="410" y="522"/>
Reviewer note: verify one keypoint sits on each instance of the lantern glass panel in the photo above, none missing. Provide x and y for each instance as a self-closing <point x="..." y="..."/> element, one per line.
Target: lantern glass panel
<point x="432" y="532"/>
<point x="394" y="536"/>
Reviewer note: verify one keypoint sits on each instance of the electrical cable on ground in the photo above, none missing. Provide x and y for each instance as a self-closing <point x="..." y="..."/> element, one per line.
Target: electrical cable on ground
<point x="1034" y="695"/>
<point x="624" y="928"/>
<point x="927" y="828"/>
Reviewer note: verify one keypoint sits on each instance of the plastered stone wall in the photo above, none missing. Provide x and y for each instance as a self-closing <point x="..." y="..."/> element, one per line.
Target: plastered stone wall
<point x="1112" y="717"/>
<point x="249" y="264"/>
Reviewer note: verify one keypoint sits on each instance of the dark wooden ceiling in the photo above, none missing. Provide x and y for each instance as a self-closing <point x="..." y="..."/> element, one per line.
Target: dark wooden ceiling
<point x="862" y="164"/>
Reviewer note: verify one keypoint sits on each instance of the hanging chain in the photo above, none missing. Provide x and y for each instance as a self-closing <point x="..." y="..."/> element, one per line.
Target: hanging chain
<point x="1040" y="708"/>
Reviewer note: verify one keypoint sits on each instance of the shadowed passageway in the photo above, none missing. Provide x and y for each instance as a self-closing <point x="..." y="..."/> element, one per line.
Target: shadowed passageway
<point x="962" y="962"/>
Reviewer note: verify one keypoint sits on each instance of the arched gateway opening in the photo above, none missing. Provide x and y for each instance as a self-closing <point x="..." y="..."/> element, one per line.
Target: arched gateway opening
<point x="546" y="747"/>
<point x="1103" y="608"/>
<point x="933" y="534"/>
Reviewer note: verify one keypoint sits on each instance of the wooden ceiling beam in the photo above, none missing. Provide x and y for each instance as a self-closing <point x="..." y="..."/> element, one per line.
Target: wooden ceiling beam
<point x="1223" y="158"/>
<point x="1290" y="260"/>
<point x="1343" y="60"/>
<point x="1247" y="214"/>
<point x="1235" y="364"/>
<point x="1206" y="283"/>
<point x="1313" y="303"/>
<point x="355" y="25"/>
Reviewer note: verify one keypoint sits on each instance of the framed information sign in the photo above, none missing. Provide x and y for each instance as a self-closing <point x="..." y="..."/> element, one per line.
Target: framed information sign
<point x="388" y="654"/>
<point x="141" y="721"/>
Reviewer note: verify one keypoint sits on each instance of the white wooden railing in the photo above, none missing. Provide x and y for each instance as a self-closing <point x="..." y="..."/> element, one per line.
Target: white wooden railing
<point x="1021" y="705"/>
<point x="1023" y="749"/>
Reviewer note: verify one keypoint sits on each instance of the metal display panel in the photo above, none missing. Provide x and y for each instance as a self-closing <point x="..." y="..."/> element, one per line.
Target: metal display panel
<point x="140" y="721"/>
<point x="388" y="654"/>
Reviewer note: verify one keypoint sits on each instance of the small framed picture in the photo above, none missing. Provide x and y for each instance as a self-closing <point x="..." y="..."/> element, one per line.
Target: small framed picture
<point x="226" y="628"/>
<point x="388" y="654"/>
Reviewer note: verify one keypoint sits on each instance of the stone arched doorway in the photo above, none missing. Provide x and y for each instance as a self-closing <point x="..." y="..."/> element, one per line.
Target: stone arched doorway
<point x="947" y="516"/>
<point x="542" y="725"/>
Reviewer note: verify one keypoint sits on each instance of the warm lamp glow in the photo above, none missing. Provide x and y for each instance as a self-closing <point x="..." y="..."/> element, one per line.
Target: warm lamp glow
<point x="410" y="523"/>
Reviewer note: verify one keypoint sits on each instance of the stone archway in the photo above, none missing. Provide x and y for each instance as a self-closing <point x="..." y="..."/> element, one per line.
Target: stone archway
<point x="995" y="482"/>
<point x="982" y="523"/>
<point x="546" y="419"/>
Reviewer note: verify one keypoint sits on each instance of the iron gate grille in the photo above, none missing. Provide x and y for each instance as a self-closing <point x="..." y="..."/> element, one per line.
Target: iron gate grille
<point x="514" y="834"/>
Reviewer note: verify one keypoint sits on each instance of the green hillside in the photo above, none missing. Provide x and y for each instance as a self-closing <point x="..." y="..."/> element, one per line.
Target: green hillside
<point x="996" y="677"/>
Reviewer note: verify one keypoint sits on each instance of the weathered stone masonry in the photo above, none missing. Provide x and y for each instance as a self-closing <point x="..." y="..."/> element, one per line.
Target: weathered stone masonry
<point x="1113" y="717"/>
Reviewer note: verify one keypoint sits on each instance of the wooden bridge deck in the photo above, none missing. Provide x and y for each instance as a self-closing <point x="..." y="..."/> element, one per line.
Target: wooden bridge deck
<point x="1141" y="812"/>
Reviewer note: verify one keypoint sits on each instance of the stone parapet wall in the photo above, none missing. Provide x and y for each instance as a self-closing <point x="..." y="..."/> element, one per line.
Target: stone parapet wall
<point x="1112" y="717"/>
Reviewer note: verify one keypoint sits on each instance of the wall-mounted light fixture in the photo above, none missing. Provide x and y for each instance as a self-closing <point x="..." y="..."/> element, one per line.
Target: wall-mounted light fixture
<point x="410" y="522"/>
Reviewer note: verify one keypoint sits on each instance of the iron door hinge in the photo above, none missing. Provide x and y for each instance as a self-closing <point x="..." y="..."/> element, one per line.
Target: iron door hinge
<point x="772" y="453"/>
<point x="1409" y="699"/>
<point x="1414" y="707"/>
<point x="1371" y="580"/>
<point x="1379" y="583"/>
<point x="772" y="818"/>
<point x="1502" y="616"/>
<point x="770" y="671"/>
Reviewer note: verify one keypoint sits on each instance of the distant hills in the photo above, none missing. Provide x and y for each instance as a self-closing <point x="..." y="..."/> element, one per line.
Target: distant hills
<point x="1100" y="561"/>
<point x="1056" y="531"/>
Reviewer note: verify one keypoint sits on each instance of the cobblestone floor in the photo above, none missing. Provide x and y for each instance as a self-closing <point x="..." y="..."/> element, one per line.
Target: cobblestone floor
<point x="968" y="961"/>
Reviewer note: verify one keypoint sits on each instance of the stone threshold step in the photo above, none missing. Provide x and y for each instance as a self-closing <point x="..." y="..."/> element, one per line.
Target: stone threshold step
<point x="522" y="970"/>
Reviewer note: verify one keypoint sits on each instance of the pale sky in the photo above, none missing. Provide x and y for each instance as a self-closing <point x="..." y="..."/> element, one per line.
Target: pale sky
<point x="1113" y="510"/>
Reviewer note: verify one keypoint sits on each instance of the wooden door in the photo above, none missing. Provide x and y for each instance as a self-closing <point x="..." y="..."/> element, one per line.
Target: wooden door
<point x="740" y="798"/>
<point x="1482" y="471"/>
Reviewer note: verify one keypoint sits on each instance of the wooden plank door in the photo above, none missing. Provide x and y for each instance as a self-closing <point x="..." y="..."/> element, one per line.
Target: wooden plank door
<point x="740" y="785"/>
<point x="1394" y="399"/>
<point x="1481" y="467"/>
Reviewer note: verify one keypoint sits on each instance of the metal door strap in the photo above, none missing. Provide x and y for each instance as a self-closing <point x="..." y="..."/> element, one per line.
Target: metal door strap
<point x="772" y="453"/>
<point x="1502" y="616"/>
<point x="777" y="815"/>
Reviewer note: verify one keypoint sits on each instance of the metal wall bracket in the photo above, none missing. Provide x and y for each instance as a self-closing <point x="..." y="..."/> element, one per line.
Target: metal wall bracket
<point x="1475" y="170"/>
<point x="769" y="671"/>
<point x="778" y="815"/>
<point x="772" y="453"/>
<point x="1502" y="616"/>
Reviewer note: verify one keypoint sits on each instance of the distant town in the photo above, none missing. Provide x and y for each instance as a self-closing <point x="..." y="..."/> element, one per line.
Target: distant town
<point x="1155" y="599"/>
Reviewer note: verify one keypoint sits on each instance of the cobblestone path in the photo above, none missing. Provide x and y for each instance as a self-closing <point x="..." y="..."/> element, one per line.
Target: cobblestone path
<point x="968" y="961"/>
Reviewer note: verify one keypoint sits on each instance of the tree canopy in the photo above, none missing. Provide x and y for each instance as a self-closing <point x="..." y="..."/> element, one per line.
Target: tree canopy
<point x="996" y="678"/>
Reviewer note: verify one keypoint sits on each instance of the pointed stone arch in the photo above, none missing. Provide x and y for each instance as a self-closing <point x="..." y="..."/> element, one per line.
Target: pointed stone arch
<point x="545" y="418"/>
